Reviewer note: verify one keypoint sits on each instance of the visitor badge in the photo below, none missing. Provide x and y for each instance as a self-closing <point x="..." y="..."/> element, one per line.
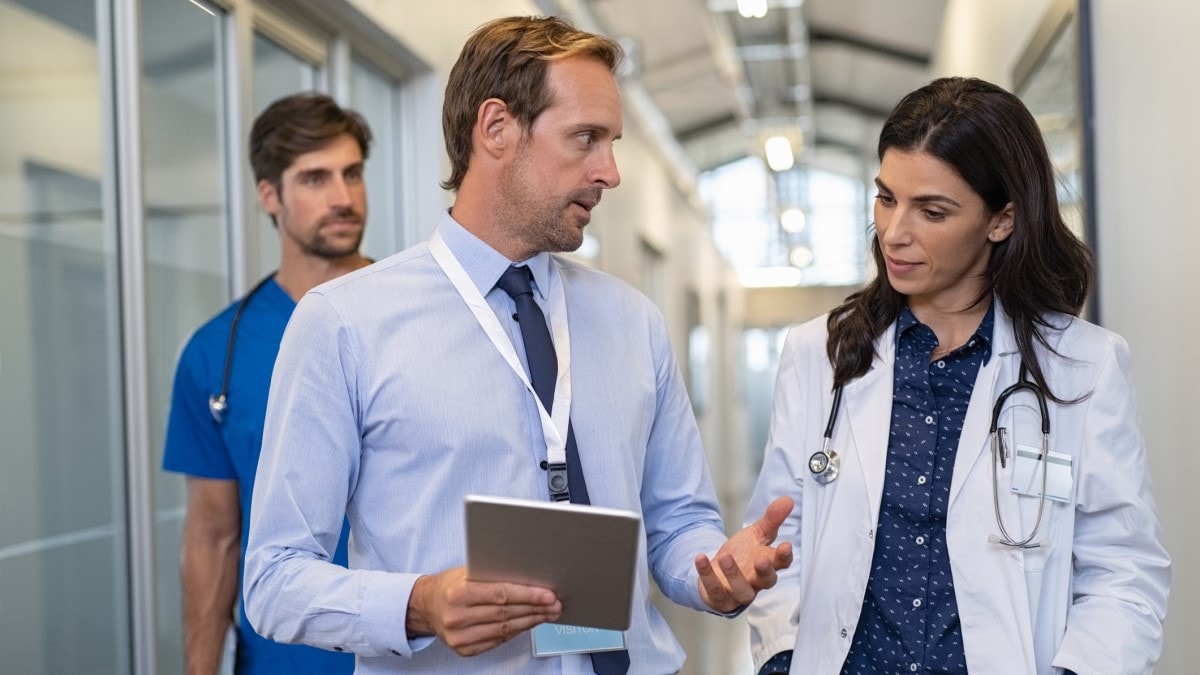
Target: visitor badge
<point x="552" y="639"/>
<point x="1027" y="474"/>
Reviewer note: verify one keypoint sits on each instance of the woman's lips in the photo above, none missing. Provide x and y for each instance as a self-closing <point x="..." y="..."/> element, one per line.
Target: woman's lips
<point x="900" y="266"/>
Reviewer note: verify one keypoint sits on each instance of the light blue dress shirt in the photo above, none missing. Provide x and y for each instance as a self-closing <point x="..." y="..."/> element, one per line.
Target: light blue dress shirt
<point x="389" y="404"/>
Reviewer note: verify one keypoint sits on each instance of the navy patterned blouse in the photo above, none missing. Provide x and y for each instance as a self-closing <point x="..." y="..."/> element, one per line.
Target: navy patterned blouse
<point x="909" y="620"/>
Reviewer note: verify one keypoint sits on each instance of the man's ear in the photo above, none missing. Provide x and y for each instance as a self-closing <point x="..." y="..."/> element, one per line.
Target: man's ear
<point x="269" y="197"/>
<point x="496" y="130"/>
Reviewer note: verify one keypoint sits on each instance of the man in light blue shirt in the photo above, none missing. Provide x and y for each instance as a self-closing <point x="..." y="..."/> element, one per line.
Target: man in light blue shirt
<point x="395" y="397"/>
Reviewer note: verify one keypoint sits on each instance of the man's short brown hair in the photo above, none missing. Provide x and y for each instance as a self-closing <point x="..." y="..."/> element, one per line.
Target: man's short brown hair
<point x="508" y="59"/>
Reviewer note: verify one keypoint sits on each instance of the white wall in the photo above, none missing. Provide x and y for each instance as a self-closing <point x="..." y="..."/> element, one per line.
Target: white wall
<point x="983" y="39"/>
<point x="1146" y="144"/>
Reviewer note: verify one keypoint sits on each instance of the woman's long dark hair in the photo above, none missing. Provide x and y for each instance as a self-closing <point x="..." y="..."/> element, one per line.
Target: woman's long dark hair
<point x="988" y="136"/>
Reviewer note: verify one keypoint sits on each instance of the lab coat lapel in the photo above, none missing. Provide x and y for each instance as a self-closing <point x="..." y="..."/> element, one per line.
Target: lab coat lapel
<point x="973" y="445"/>
<point x="867" y="406"/>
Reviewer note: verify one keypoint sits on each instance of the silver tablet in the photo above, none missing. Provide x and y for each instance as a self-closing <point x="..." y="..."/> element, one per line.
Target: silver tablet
<point x="585" y="554"/>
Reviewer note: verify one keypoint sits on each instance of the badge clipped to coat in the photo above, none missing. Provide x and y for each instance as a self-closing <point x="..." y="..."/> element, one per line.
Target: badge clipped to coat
<point x="1027" y="474"/>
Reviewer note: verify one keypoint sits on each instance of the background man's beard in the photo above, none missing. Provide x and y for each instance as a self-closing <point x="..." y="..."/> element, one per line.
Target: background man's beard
<point x="328" y="247"/>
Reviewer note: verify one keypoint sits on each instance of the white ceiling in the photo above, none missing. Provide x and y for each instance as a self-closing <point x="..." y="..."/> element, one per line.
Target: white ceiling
<point x="824" y="71"/>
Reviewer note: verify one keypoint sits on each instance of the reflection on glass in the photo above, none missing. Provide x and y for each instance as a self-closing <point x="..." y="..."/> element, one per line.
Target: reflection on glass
<point x="186" y="245"/>
<point x="63" y="590"/>
<point x="277" y="73"/>
<point x="377" y="98"/>
<point x="1051" y="92"/>
<point x="1052" y="77"/>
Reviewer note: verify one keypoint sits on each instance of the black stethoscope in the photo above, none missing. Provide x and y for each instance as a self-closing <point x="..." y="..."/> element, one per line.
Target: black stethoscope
<point x="218" y="404"/>
<point x="825" y="464"/>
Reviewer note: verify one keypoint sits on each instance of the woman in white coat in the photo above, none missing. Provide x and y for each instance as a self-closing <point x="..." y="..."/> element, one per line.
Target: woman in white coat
<point x="918" y="547"/>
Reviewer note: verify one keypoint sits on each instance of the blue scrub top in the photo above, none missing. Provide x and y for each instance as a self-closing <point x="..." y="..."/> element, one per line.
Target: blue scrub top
<point x="197" y="446"/>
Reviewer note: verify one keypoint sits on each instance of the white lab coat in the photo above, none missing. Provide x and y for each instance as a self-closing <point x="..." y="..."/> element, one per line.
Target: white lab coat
<point x="1093" y="601"/>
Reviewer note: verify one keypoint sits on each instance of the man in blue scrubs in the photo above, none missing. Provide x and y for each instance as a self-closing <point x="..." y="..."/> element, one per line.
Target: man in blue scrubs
<point x="307" y="154"/>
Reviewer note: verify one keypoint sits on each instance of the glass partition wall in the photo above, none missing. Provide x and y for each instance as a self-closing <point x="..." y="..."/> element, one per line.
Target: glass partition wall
<point x="63" y="589"/>
<point x="186" y="241"/>
<point x="278" y="72"/>
<point x="117" y="217"/>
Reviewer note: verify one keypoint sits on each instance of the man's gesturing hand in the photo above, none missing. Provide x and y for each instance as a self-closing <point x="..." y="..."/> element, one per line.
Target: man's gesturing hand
<point x="747" y="563"/>
<point x="472" y="617"/>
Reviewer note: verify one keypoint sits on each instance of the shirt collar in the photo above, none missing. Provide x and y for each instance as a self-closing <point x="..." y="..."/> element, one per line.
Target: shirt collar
<point x="907" y="321"/>
<point x="484" y="264"/>
<point x="278" y="297"/>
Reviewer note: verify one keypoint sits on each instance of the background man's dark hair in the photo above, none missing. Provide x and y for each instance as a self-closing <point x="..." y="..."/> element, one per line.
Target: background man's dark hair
<point x="295" y="125"/>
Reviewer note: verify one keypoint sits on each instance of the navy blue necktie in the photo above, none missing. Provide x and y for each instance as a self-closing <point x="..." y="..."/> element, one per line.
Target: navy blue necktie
<point x="543" y="373"/>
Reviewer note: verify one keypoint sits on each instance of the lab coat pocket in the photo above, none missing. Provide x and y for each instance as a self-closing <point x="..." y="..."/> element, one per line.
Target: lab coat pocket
<point x="1024" y="516"/>
<point x="1021" y="520"/>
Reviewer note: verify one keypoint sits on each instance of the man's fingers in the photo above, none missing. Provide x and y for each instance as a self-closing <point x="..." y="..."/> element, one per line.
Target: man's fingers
<point x="774" y="517"/>
<point x="477" y="616"/>
<point x="783" y="556"/>
<point x="462" y="616"/>
<point x="498" y="594"/>
<point x="716" y="594"/>
<point x="482" y="637"/>
<point x="764" y="573"/>
<point x="741" y="589"/>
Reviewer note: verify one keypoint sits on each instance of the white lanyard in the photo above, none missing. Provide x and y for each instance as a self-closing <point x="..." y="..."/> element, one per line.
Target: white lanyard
<point x="554" y="427"/>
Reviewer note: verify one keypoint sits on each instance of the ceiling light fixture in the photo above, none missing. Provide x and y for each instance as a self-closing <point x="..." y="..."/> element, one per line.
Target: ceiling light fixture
<point x="752" y="9"/>
<point x="801" y="257"/>
<point x="792" y="220"/>
<point x="779" y="153"/>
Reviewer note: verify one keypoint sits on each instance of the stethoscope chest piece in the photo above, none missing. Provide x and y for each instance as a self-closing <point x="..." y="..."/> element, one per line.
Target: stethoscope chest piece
<point x="824" y="466"/>
<point x="217" y="406"/>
